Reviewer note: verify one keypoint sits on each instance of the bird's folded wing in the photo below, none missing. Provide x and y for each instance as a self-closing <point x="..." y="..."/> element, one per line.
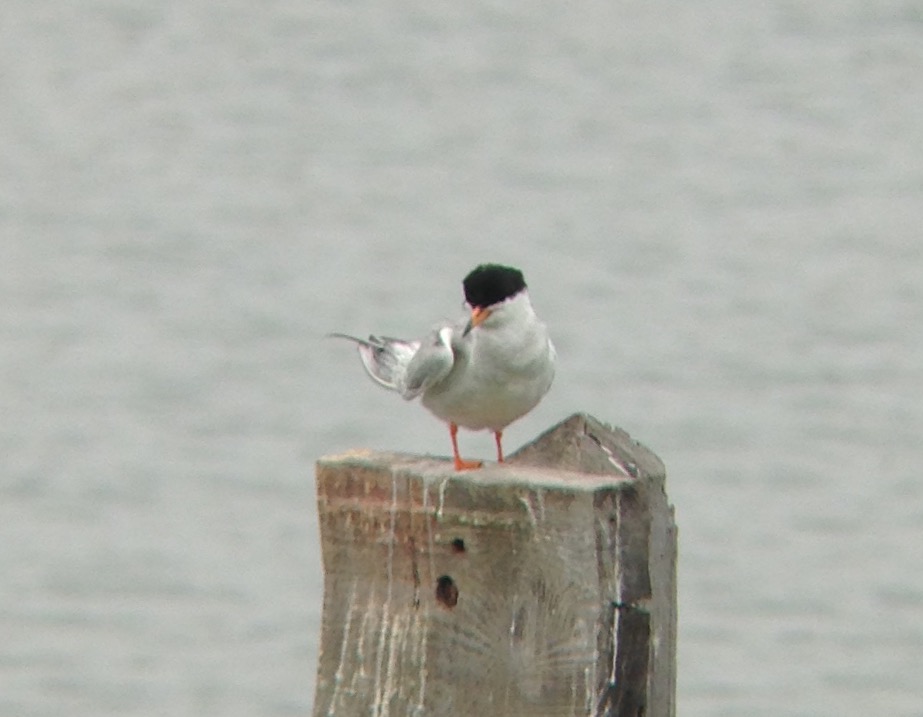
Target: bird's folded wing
<point x="431" y="363"/>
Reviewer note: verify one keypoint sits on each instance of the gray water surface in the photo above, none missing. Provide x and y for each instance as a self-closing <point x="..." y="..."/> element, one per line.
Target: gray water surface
<point x="717" y="207"/>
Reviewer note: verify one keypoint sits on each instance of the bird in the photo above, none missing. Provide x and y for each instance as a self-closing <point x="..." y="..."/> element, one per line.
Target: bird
<point x="484" y="371"/>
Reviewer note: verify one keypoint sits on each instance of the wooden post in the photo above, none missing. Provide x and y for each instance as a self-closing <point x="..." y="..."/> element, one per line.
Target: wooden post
<point x="543" y="586"/>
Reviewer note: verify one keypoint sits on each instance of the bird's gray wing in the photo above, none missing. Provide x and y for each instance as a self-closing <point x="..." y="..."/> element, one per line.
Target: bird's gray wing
<point x="385" y="358"/>
<point x="431" y="363"/>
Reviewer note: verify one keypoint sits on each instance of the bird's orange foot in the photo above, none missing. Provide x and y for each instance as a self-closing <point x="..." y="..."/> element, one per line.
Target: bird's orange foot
<point x="460" y="463"/>
<point x="463" y="465"/>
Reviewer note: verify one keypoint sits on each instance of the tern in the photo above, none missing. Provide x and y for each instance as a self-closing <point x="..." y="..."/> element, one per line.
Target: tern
<point x="484" y="371"/>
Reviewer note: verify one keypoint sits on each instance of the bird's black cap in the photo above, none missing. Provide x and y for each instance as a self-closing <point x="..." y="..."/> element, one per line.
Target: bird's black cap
<point x="489" y="284"/>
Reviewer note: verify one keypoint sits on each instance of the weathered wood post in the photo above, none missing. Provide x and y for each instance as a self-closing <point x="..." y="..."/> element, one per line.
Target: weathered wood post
<point x="545" y="586"/>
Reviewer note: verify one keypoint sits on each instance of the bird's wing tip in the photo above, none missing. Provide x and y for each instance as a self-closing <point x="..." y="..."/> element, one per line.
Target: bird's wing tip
<point x="339" y="335"/>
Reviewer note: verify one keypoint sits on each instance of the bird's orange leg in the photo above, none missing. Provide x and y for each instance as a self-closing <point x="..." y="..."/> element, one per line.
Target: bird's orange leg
<point x="460" y="465"/>
<point x="498" y="437"/>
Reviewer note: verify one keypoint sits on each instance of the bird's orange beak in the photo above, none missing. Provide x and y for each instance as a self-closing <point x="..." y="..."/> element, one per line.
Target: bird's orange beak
<point x="478" y="315"/>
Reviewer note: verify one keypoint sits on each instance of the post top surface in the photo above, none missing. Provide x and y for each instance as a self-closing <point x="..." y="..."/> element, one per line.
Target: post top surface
<point x="579" y="453"/>
<point x="433" y="469"/>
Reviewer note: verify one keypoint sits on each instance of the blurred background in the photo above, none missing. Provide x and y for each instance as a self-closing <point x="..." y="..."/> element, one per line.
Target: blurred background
<point x="717" y="207"/>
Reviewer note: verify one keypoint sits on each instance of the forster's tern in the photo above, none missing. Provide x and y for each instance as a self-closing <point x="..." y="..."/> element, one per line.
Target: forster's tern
<point x="485" y="371"/>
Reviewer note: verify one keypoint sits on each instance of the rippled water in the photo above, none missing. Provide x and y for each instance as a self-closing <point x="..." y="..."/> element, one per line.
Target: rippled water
<point x="718" y="210"/>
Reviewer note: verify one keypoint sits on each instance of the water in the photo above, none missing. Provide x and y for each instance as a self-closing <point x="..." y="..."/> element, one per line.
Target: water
<point x="717" y="207"/>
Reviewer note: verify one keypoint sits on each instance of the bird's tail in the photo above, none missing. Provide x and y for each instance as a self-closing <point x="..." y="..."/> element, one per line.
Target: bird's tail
<point x="385" y="359"/>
